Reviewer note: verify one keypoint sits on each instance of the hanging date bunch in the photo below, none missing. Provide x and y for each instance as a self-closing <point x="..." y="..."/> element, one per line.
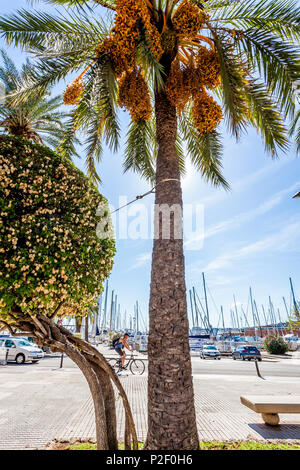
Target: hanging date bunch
<point x="120" y="46"/>
<point x="188" y="19"/>
<point x="73" y="92"/>
<point x="206" y="113"/>
<point x="177" y="87"/>
<point x="134" y="95"/>
<point x="208" y="67"/>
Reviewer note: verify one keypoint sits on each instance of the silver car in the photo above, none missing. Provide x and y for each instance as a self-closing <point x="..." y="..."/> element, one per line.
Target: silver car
<point x="210" y="352"/>
<point x="21" y="350"/>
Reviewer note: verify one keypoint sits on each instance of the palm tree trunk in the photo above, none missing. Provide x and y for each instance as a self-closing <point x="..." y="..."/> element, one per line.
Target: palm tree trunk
<point x="171" y="410"/>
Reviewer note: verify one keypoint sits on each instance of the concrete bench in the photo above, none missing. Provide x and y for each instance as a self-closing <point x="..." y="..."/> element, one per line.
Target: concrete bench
<point x="270" y="406"/>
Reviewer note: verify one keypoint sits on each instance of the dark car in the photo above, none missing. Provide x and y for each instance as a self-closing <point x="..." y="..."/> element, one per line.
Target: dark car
<point x="246" y="352"/>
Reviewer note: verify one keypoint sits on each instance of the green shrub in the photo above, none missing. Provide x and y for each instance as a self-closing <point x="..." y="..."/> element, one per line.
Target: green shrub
<point x="49" y="249"/>
<point x="276" y="345"/>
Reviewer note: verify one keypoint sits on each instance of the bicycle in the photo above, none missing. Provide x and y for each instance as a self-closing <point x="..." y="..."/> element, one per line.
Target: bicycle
<point x="136" y="366"/>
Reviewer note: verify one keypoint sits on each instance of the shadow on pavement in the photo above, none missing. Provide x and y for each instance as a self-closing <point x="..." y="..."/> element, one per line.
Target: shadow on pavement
<point x="283" y="431"/>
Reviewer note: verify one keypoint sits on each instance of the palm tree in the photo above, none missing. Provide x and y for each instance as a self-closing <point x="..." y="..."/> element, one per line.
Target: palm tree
<point x="39" y="118"/>
<point x="295" y="131"/>
<point x="164" y="60"/>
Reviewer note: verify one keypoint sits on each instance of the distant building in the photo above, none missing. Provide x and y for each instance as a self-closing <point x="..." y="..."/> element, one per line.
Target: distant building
<point x="297" y="195"/>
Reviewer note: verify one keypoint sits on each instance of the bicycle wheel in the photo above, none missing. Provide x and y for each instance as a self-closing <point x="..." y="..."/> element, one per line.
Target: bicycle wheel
<point x="137" y="367"/>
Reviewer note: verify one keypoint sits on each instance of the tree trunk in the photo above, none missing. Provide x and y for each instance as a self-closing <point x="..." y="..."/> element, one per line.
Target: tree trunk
<point x="171" y="410"/>
<point x="96" y="390"/>
<point x="110" y="407"/>
<point x="78" y="321"/>
<point x="97" y="371"/>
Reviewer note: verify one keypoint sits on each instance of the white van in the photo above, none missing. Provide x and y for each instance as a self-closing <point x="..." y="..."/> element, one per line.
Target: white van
<point x="20" y="350"/>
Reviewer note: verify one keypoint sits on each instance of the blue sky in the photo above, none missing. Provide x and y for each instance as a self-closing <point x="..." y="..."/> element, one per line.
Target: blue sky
<point x="251" y="232"/>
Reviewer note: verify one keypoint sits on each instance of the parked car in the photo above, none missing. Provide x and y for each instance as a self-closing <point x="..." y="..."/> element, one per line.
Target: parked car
<point x="210" y="352"/>
<point x="2" y="354"/>
<point x="246" y="352"/>
<point x="20" y="350"/>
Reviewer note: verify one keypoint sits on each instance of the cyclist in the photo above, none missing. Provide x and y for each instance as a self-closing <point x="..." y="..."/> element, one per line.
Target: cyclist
<point x="119" y="347"/>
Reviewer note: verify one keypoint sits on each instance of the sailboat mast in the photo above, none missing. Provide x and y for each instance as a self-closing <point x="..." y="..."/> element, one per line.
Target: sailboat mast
<point x="192" y="308"/>
<point x="104" y="320"/>
<point x="293" y="296"/>
<point x="206" y="303"/>
<point x="236" y="312"/>
<point x="111" y="310"/>
<point x="252" y="309"/>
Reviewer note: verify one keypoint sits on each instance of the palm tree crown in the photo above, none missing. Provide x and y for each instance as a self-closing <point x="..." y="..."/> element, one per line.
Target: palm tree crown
<point x="39" y="118"/>
<point x="244" y="54"/>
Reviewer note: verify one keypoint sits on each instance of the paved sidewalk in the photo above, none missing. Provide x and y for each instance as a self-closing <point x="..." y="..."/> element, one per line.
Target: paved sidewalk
<point x="39" y="404"/>
<point x="220" y="415"/>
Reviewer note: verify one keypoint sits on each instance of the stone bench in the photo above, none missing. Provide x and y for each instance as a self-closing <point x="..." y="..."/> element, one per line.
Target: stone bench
<point x="270" y="406"/>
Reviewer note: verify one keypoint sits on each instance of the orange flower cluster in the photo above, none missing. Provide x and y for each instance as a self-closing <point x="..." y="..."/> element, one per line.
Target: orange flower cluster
<point x="121" y="45"/>
<point x="208" y="67"/>
<point x="188" y="19"/>
<point x="207" y="114"/>
<point x="73" y="92"/>
<point x="134" y="95"/>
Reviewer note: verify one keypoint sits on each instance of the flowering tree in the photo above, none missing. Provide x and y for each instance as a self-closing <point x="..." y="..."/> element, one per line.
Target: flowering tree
<point x="178" y="67"/>
<point x="53" y="263"/>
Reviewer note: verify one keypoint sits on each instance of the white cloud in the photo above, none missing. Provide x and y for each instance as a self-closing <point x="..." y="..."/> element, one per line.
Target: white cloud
<point x="245" y="182"/>
<point x="244" y="217"/>
<point x="141" y="260"/>
<point x="278" y="241"/>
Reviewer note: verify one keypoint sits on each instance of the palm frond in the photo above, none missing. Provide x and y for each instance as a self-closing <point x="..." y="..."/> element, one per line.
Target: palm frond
<point x="205" y="151"/>
<point x="146" y="59"/>
<point x="281" y="17"/>
<point x="67" y="144"/>
<point x="232" y="70"/>
<point x="295" y="131"/>
<point x="40" y="31"/>
<point x="140" y="152"/>
<point x="277" y="62"/>
<point x="80" y="4"/>
<point x="266" y="119"/>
